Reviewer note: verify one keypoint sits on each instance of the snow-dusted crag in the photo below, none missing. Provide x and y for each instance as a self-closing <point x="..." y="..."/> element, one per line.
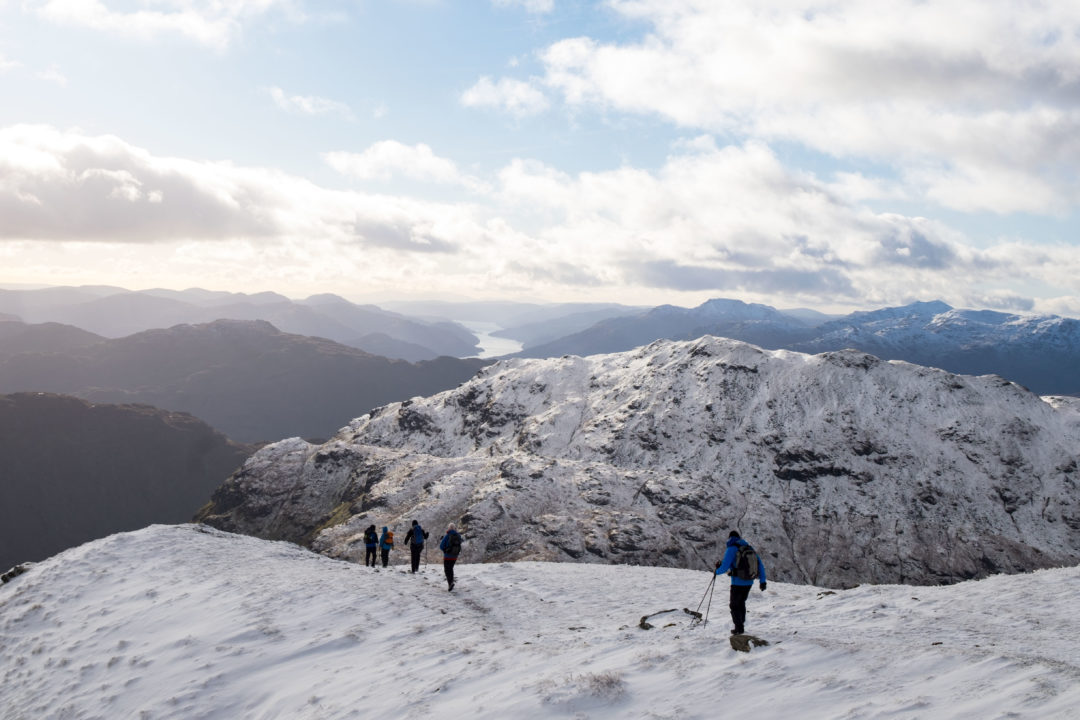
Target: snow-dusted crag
<point x="841" y="468"/>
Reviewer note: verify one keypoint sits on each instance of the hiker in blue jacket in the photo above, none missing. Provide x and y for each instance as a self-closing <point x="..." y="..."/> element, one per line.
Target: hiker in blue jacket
<point x="386" y="544"/>
<point x="371" y="541"/>
<point x="415" y="540"/>
<point x="451" y="548"/>
<point x="742" y="574"/>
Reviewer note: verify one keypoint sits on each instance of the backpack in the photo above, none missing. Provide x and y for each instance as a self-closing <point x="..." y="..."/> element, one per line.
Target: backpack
<point x="453" y="544"/>
<point x="745" y="566"/>
<point x="389" y="538"/>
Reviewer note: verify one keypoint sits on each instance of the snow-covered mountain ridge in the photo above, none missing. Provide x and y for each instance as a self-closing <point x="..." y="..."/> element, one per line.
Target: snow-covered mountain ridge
<point x="1041" y="352"/>
<point x="180" y="622"/>
<point x="841" y="468"/>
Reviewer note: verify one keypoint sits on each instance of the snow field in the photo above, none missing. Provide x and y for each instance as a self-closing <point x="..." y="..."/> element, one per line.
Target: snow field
<point x="186" y="622"/>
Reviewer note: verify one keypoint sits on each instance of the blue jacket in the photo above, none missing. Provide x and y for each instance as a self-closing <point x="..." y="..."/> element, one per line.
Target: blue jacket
<point x="383" y="544"/>
<point x="729" y="560"/>
<point x="444" y="544"/>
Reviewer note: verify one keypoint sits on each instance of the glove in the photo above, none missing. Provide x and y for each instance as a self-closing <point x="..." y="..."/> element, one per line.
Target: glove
<point x="718" y="564"/>
<point x="762" y="587"/>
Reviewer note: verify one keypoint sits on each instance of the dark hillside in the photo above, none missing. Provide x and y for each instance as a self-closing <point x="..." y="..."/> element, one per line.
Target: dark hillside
<point x="72" y="471"/>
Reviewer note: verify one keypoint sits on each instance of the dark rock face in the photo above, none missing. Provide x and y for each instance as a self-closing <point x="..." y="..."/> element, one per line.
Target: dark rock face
<point x="839" y="468"/>
<point x="71" y="471"/>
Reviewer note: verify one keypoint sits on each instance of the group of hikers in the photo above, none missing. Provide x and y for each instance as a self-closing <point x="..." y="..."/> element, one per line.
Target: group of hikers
<point x="450" y="546"/>
<point x="740" y="561"/>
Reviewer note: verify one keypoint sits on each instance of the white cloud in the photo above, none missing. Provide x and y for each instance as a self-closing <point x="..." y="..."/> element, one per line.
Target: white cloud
<point x="513" y="96"/>
<point x="710" y="221"/>
<point x="209" y="22"/>
<point x="308" y="104"/>
<point x="390" y="158"/>
<point x="6" y="64"/>
<point x="982" y="92"/>
<point x="534" y="6"/>
<point x="54" y="75"/>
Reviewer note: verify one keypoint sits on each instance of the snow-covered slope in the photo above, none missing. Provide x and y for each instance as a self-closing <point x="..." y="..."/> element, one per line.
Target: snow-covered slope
<point x="839" y="467"/>
<point x="1041" y="352"/>
<point x="186" y="622"/>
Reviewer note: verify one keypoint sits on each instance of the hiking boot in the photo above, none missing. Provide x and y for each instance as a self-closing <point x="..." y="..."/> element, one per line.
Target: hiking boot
<point x="737" y="631"/>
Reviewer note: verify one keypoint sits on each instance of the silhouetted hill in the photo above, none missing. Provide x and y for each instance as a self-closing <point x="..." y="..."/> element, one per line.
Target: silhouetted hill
<point x="246" y="378"/>
<point x="753" y="323"/>
<point x="73" y="471"/>
<point x="115" y="312"/>
<point x="19" y="337"/>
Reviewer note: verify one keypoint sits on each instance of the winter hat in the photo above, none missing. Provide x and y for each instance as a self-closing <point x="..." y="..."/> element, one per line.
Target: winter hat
<point x="734" y="534"/>
<point x="415" y="523"/>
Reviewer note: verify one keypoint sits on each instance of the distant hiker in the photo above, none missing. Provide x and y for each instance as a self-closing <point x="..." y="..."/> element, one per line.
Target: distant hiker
<point x="451" y="548"/>
<point x="386" y="544"/>
<point x="371" y="542"/>
<point x="415" y="539"/>
<point x="744" y="565"/>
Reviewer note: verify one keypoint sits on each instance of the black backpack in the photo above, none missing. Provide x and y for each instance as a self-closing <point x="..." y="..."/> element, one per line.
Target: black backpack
<point x="745" y="566"/>
<point x="453" y="544"/>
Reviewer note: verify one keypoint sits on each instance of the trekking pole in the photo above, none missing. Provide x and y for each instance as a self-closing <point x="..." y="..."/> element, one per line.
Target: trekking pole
<point x="712" y="586"/>
<point x="707" y="589"/>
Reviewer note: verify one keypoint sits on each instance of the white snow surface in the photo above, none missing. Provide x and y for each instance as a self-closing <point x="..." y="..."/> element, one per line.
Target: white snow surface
<point x="191" y="622"/>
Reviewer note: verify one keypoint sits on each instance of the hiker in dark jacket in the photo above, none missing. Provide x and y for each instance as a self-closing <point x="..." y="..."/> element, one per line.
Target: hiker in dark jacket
<point x="451" y="548"/>
<point x="371" y="541"/>
<point x="740" y="585"/>
<point x="386" y="544"/>
<point x="415" y="540"/>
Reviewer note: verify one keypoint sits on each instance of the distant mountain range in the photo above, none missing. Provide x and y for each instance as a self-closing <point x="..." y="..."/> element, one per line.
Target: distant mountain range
<point x="1041" y="352"/>
<point x="115" y="312"/>
<point x="246" y="378"/>
<point x="73" y="471"/>
<point x="843" y="468"/>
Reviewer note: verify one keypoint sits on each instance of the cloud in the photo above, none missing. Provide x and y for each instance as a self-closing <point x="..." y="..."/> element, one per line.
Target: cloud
<point x="534" y="6"/>
<point x="67" y="186"/>
<point x="208" y="22"/>
<point x="308" y="105"/>
<point x="513" y="96"/>
<point x="6" y="64"/>
<point x="54" y="75"/>
<point x="710" y="221"/>
<point x="970" y="100"/>
<point x="389" y="158"/>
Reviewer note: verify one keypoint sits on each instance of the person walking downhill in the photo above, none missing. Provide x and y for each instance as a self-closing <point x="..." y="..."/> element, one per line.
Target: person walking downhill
<point x="415" y="540"/>
<point x="371" y="541"/>
<point x="386" y="544"/>
<point x="744" y="566"/>
<point x="451" y="548"/>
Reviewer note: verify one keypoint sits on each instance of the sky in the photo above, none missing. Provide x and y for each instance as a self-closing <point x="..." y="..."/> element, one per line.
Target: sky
<point x="830" y="154"/>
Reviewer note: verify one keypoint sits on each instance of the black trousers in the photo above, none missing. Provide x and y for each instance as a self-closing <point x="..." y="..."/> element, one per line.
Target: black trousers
<point x="369" y="557"/>
<point x="416" y="551"/>
<point x="448" y="568"/>
<point x="385" y="557"/>
<point x="739" y="593"/>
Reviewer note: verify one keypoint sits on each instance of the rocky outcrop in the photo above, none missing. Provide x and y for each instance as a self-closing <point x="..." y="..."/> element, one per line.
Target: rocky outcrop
<point x="840" y="468"/>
